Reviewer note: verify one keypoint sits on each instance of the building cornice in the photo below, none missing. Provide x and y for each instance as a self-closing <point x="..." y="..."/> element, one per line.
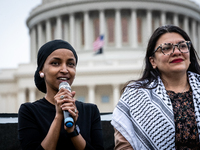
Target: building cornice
<point x="57" y="8"/>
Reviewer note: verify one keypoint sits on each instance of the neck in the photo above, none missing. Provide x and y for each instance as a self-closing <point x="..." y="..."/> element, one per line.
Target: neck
<point x="50" y="96"/>
<point x="176" y="83"/>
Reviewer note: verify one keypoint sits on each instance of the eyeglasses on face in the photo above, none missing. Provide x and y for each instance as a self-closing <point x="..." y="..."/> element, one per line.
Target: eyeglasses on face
<point x="168" y="48"/>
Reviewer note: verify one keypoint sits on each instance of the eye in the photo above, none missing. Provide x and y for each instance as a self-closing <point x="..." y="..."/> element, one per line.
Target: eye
<point x="182" y="46"/>
<point x="55" y="63"/>
<point x="71" y="64"/>
<point x="167" y="47"/>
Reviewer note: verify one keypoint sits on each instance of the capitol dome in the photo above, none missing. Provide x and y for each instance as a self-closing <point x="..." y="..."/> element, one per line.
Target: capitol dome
<point x="126" y="26"/>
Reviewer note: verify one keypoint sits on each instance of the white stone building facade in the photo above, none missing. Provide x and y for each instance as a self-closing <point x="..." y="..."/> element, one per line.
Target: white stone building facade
<point x="126" y="26"/>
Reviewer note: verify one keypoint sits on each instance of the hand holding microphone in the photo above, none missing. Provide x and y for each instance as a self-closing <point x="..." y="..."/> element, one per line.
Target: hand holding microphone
<point x="68" y="120"/>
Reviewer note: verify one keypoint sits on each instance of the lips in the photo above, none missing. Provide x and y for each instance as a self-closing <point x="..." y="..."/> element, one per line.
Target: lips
<point x="177" y="60"/>
<point x="63" y="78"/>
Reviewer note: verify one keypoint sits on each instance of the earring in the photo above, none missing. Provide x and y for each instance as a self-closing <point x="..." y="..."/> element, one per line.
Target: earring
<point x="41" y="75"/>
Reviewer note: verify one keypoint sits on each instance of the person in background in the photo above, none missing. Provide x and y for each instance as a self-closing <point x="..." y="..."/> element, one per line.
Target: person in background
<point x="161" y="110"/>
<point x="40" y="124"/>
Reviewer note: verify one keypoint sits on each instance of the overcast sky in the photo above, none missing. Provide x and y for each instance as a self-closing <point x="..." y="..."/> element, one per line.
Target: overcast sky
<point x="14" y="36"/>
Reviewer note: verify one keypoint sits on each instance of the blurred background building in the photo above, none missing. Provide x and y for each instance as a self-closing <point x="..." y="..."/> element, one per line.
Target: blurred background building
<point x="125" y="26"/>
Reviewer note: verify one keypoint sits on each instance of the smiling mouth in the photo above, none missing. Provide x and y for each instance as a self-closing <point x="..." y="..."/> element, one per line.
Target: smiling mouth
<point x="177" y="60"/>
<point x="63" y="79"/>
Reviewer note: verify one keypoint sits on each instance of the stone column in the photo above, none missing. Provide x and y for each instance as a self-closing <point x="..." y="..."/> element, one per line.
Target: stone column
<point x="149" y="25"/>
<point x="86" y="30"/>
<point x="118" y="29"/>
<point x="91" y="93"/>
<point x="48" y="30"/>
<point x="32" y="96"/>
<point x="66" y="30"/>
<point x="194" y="31"/>
<point x="198" y="50"/>
<point x="11" y="103"/>
<point x="102" y="22"/>
<point x="58" y="28"/>
<point x="163" y="18"/>
<point x="40" y="36"/>
<point x="186" y="25"/>
<point x="116" y="94"/>
<point x="133" y="40"/>
<point x="33" y="44"/>
<point x="3" y="105"/>
<point x="175" y="20"/>
<point x="21" y="96"/>
<point x="72" y="31"/>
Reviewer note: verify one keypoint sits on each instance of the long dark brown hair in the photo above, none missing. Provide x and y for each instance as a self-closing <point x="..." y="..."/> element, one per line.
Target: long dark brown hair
<point x="150" y="74"/>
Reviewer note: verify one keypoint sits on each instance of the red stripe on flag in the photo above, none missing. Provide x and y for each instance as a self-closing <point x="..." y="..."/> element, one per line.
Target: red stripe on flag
<point x="98" y="43"/>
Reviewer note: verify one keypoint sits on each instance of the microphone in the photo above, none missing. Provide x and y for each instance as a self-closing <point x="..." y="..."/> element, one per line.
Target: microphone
<point x="68" y="120"/>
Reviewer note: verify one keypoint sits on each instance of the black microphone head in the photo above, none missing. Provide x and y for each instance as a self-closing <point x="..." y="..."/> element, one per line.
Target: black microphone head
<point x="65" y="85"/>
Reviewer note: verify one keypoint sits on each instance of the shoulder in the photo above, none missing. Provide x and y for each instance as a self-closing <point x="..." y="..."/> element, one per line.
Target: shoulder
<point x="133" y="88"/>
<point x="133" y="93"/>
<point x="87" y="108"/>
<point x="27" y="107"/>
<point x="86" y="105"/>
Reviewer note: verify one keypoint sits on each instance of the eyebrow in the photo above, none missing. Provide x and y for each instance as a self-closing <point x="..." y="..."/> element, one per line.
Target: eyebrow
<point x="180" y="42"/>
<point x="57" y="58"/>
<point x="68" y="60"/>
<point x="172" y="43"/>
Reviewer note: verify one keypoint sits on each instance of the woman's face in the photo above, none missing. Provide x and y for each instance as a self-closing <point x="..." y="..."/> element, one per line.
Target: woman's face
<point x="176" y="62"/>
<point x="59" y="66"/>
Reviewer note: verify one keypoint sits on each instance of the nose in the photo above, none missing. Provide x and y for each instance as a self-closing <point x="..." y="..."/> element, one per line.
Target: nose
<point x="64" y="69"/>
<point x="176" y="50"/>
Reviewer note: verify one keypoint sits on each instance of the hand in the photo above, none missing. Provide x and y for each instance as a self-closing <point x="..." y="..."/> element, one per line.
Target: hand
<point x="63" y="96"/>
<point x="70" y="106"/>
<point x="67" y="101"/>
<point x="74" y="114"/>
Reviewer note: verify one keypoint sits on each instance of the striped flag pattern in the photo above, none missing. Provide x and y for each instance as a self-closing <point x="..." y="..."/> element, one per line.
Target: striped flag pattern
<point x="98" y="44"/>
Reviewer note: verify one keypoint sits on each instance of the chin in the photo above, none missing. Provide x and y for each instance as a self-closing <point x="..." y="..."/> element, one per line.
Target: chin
<point x="179" y="70"/>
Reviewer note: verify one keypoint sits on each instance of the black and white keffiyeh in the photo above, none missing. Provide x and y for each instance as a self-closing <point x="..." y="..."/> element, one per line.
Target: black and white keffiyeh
<point x="145" y="116"/>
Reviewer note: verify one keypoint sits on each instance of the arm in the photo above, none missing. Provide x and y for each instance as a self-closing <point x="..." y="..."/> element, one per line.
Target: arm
<point x="121" y="142"/>
<point x="92" y="129"/>
<point x="69" y="105"/>
<point x="50" y="141"/>
<point x="78" y="141"/>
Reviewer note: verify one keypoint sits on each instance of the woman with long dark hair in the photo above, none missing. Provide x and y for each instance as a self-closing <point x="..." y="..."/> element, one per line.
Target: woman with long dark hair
<point x="161" y="109"/>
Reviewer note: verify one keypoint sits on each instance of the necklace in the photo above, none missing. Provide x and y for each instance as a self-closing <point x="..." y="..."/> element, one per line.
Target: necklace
<point x="184" y="88"/>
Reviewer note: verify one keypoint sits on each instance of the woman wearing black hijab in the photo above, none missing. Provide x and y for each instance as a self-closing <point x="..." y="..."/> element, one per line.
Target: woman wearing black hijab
<point x="40" y="124"/>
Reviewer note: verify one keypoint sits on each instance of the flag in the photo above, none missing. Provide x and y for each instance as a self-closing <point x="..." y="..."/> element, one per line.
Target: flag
<point x="98" y="45"/>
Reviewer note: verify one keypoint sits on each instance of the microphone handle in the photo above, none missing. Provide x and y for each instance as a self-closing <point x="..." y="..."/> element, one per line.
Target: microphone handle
<point x="68" y="120"/>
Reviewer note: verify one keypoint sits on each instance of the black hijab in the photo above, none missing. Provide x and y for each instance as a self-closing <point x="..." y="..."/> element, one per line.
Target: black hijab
<point x="43" y="53"/>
